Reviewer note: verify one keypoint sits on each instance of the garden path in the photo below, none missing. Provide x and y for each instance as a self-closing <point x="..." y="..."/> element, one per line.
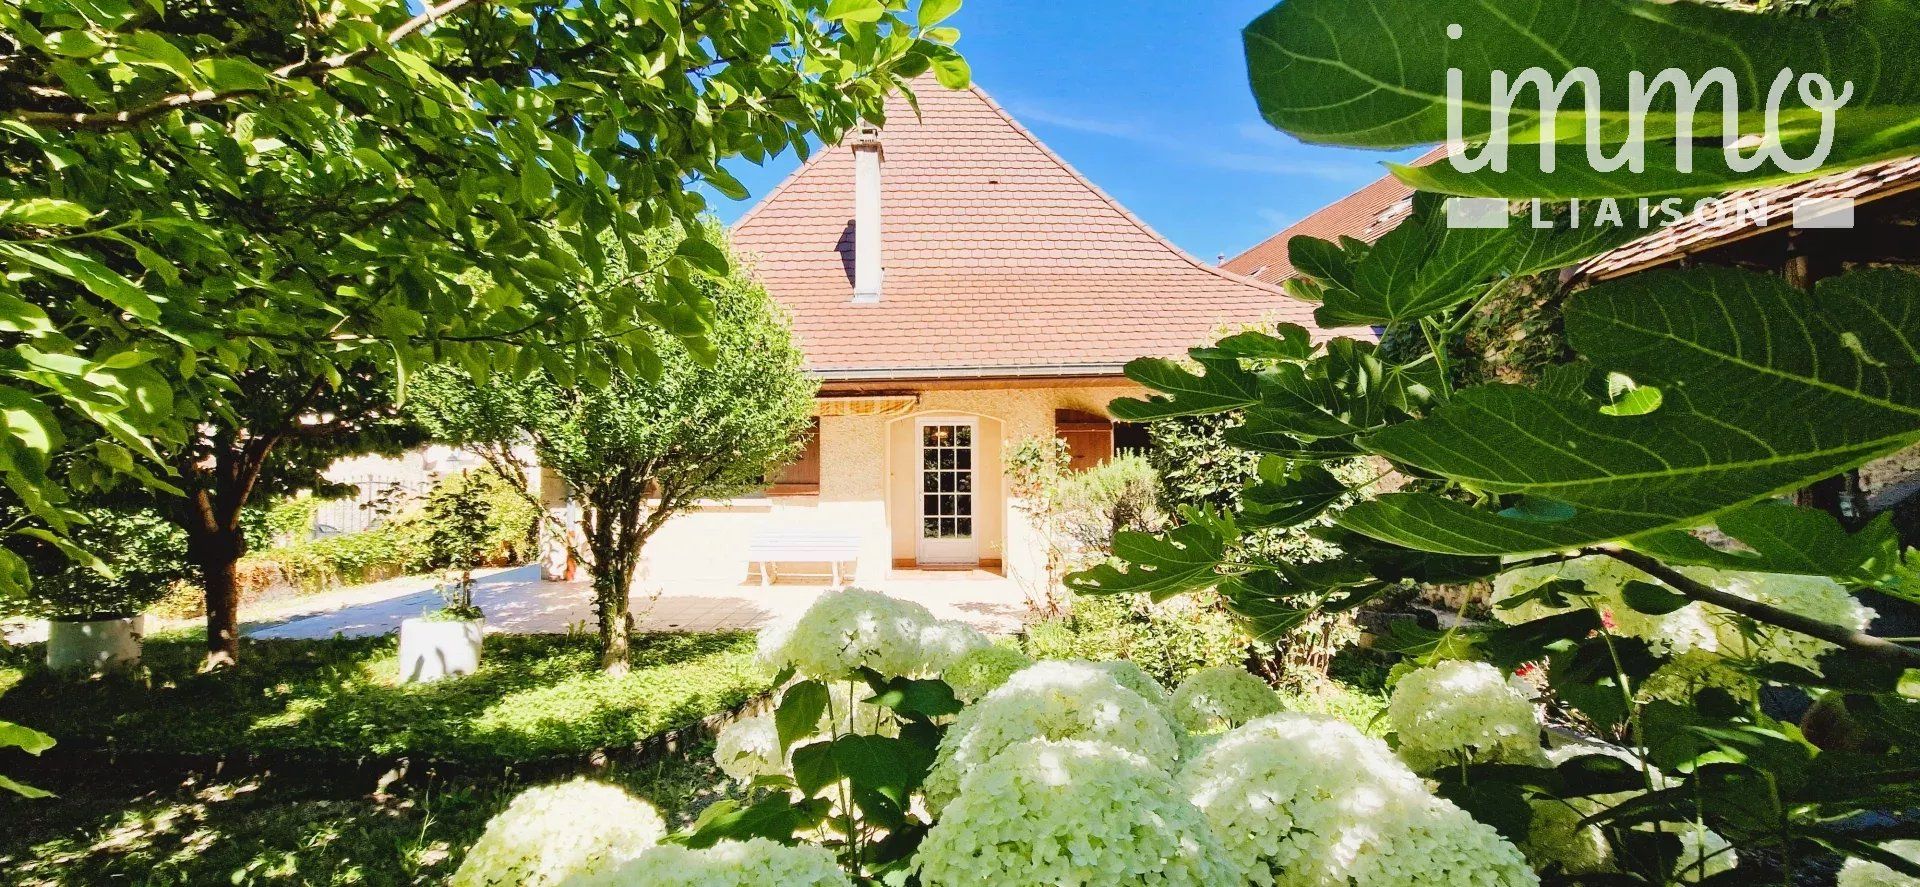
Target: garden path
<point x="517" y="600"/>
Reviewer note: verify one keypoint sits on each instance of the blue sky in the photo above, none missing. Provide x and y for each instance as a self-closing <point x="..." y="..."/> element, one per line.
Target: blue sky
<point x="1149" y="99"/>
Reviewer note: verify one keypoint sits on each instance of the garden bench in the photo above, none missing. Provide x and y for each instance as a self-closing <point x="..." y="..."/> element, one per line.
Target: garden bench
<point x="832" y="549"/>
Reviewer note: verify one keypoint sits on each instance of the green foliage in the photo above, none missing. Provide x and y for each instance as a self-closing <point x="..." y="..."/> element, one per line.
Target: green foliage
<point x="1376" y="76"/>
<point x="1170" y="641"/>
<point x="534" y="696"/>
<point x="639" y="449"/>
<point x="191" y="217"/>
<point x="282" y="829"/>
<point x="145" y="558"/>
<point x="289" y="520"/>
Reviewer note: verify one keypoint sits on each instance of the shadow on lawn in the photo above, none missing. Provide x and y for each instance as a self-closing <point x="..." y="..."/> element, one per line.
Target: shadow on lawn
<point x="535" y="696"/>
<point x="130" y="828"/>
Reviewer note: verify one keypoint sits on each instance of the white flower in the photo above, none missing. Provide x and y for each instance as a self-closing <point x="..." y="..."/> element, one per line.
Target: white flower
<point x="1308" y="801"/>
<point x="947" y="641"/>
<point x="1861" y="873"/>
<point x="756" y="862"/>
<point x="1696" y="628"/>
<point x="1222" y="697"/>
<point x="850" y="628"/>
<point x="1048" y="700"/>
<point x="1454" y="710"/>
<point x="1071" y="813"/>
<point x="749" y="747"/>
<point x="552" y="833"/>
<point x="982" y="671"/>
<point x="1135" y="678"/>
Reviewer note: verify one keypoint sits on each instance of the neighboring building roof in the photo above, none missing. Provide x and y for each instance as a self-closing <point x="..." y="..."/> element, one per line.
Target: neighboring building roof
<point x="1366" y="214"/>
<point x="1774" y="210"/>
<point x="1001" y="260"/>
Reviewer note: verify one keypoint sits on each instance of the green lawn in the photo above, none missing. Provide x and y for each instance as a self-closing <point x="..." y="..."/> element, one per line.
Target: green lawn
<point x="535" y="696"/>
<point x="268" y="830"/>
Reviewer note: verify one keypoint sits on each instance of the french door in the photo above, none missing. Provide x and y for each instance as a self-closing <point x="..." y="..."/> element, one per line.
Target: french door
<point x="947" y="512"/>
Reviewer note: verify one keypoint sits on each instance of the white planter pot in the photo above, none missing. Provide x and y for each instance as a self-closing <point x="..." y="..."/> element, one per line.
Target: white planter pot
<point x="431" y="649"/>
<point x="94" y="647"/>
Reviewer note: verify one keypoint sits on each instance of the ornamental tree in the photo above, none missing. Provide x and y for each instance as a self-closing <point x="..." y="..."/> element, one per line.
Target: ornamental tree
<point x="202" y="202"/>
<point x="1625" y="503"/>
<point x="637" y="450"/>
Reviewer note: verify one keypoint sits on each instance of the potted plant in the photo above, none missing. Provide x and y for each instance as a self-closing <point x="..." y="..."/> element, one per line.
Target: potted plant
<point x="446" y="642"/>
<point x="96" y="610"/>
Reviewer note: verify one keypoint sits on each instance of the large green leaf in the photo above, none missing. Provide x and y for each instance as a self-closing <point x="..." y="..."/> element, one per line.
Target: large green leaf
<point x="1375" y="75"/>
<point x="1425" y="266"/>
<point x="1187" y="558"/>
<point x="1782" y="538"/>
<point x="1765" y="389"/>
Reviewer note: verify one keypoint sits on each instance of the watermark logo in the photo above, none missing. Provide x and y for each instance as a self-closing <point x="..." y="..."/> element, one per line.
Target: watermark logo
<point x="1626" y="132"/>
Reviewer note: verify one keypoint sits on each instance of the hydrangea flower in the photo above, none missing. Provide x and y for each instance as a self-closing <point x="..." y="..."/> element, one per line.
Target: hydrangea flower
<point x="850" y="628"/>
<point x="1222" y="697"/>
<point x="1715" y="633"/>
<point x="982" y="671"/>
<point x="1135" y="678"/>
<point x="1556" y="837"/>
<point x="1048" y="700"/>
<point x="1309" y="801"/>
<point x="755" y="862"/>
<point x="1071" y="813"/>
<point x="1861" y="873"/>
<point x="750" y="747"/>
<point x="947" y="641"/>
<point x="1454" y="710"/>
<point x="554" y="833"/>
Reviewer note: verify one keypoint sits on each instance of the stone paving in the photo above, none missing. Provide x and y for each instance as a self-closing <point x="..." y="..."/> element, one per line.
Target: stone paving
<point x="517" y="600"/>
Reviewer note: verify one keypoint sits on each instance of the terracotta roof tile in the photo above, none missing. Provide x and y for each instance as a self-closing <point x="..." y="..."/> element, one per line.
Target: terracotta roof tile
<point x="1366" y="214"/>
<point x="1772" y="207"/>
<point x="997" y="253"/>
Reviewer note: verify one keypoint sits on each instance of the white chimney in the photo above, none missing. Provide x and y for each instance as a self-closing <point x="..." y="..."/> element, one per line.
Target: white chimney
<point x="868" y="270"/>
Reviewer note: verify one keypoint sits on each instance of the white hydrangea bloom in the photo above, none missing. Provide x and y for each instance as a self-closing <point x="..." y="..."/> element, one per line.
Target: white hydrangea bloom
<point x="1222" y="697"/>
<point x="553" y="833"/>
<point x="1861" y="873"/>
<point x="756" y="862"/>
<point x="1557" y="837"/>
<point x="1135" y="678"/>
<point x="1048" y="700"/>
<point x="750" y="747"/>
<point x="1071" y="813"/>
<point x="846" y="629"/>
<point x="1456" y="709"/>
<point x="1309" y="801"/>
<point x="947" y="641"/>
<point x="982" y="671"/>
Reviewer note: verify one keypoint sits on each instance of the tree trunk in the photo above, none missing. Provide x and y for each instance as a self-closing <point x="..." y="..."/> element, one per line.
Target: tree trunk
<point x="216" y="551"/>
<point x="610" y="590"/>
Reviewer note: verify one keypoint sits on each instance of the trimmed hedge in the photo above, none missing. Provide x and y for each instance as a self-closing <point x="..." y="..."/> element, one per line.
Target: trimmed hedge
<point x="535" y="696"/>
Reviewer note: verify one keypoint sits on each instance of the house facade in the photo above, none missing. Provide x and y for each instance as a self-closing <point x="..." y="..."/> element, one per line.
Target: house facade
<point x="957" y="288"/>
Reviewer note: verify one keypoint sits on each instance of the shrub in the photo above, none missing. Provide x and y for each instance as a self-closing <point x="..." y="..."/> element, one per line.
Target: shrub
<point x="147" y="555"/>
<point x="1457" y="712"/>
<point x="755" y="862"/>
<point x="1169" y="641"/>
<point x="1222" y="697"/>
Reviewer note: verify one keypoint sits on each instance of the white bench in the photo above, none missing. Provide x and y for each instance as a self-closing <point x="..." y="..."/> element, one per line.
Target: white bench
<point x="832" y="549"/>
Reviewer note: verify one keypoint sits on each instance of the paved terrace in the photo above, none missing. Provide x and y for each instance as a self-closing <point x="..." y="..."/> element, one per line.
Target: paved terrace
<point x="516" y="600"/>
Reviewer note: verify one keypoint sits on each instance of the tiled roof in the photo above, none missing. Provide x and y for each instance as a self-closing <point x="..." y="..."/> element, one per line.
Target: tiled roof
<point x="1773" y="206"/>
<point x="1000" y="259"/>
<point x="1366" y="214"/>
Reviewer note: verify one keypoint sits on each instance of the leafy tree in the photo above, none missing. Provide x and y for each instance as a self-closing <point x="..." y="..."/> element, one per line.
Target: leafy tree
<point x="1690" y="401"/>
<point x="636" y="451"/>
<point x="219" y="213"/>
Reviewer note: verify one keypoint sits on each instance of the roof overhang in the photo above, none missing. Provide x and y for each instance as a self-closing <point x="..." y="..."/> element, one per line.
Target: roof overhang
<point x="922" y="374"/>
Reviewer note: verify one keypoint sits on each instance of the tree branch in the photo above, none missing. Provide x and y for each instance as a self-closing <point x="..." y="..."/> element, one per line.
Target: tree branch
<point x="1846" y="638"/>
<point x="316" y="68"/>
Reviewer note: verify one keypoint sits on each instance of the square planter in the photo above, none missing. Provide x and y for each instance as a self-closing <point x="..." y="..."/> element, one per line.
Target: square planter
<point x="94" y="646"/>
<point x="431" y="649"/>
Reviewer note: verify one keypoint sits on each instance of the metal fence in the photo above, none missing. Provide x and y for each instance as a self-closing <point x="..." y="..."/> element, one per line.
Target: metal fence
<point x="376" y="500"/>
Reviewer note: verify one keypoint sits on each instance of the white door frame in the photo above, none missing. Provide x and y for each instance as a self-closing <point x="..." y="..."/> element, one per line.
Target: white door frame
<point x="952" y="488"/>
